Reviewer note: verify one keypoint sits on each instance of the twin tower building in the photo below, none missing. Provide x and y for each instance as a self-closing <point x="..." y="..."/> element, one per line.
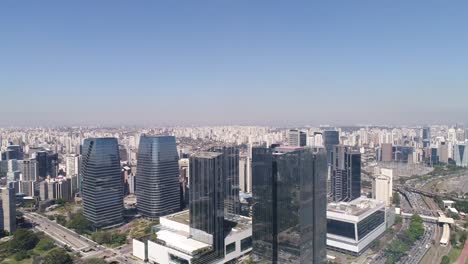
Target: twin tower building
<point x="157" y="180"/>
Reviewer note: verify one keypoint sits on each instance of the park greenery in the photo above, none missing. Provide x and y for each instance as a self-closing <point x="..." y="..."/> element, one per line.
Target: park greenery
<point x="110" y="238"/>
<point x="398" y="248"/>
<point x="57" y="256"/>
<point x="26" y="245"/>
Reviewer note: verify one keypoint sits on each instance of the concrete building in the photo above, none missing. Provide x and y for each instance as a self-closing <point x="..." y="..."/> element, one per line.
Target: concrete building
<point x="72" y="165"/>
<point x="381" y="189"/>
<point x="386" y="152"/>
<point x="174" y="244"/>
<point x="297" y="138"/>
<point x="245" y="174"/>
<point x="351" y="227"/>
<point x="443" y="152"/>
<point x="7" y="209"/>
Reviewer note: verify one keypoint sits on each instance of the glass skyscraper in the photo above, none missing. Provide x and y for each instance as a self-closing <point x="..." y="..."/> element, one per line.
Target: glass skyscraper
<point x="102" y="185"/>
<point x="330" y="138"/>
<point x="289" y="205"/>
<point x="231" y="178"/>
<point x="157" y="179"/>
<point x="345" y="174"/>
<point x="207" y="200"/>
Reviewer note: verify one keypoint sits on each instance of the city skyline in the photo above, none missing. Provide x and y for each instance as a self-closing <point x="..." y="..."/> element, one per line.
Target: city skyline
<point x="174" y="64"/>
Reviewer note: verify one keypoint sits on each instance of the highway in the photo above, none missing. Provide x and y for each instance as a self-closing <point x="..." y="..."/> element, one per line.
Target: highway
<point x="59" y="233"/>
<point x="86" y="247"/>
<point x="421" y="246"/>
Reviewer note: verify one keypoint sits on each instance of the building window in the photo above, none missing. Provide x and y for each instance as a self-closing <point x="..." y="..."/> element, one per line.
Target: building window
<point x="340" y="228"/>
<point x="230" y="248"/>
<point x="246" y="243"/>
<point x="177" y="260"/>
<point x="370" y="223"/>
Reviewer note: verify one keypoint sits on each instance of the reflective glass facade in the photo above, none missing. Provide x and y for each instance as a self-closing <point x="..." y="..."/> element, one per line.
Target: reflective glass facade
<point x="330" y="138"/>
<point x="370" y="223"/>
<point x="157" y="180"/>
<point x="102" y="185"/>
<point x="231" y="178"/>
<point x="345" y="174"/>
<point x="341" y="228"/>
<point x="207" y="200"/>
<point x="289" y="211"/>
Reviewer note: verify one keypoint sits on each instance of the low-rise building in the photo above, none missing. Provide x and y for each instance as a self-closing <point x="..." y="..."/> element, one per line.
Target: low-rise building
<point x="174" y="244"/>
<point x="352" y="226"/>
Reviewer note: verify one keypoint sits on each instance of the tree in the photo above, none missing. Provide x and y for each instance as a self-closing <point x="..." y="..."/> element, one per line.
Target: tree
<point x="462" y="238"/>
<point x="23" y="240"/>
<point x="57" y="256"/>
<point x="45" y="244"/>
<point x="79" y="223"/>
<point x="445" y="260"/>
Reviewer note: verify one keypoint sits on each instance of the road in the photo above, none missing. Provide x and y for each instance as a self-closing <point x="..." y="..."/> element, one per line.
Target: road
<point x="463" y="255"/>
<point x="86" y="247"/>
<point x="59" y="233"/>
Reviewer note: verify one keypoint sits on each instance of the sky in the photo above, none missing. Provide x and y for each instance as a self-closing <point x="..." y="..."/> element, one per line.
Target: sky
<point x="246" y="62"/>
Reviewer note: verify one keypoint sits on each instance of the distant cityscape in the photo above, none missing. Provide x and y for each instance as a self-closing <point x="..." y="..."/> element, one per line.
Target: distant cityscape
<point x="236" y="194"/>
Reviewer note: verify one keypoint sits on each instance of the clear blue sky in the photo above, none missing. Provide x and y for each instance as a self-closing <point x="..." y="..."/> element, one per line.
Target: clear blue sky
<point x="233" y="62"/>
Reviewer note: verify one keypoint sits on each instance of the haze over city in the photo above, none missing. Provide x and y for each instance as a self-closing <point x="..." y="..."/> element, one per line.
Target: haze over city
<point x="233" y="62"/>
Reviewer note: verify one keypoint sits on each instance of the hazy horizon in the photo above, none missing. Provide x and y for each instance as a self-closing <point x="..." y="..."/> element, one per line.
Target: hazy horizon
<point x="233" y="62"/>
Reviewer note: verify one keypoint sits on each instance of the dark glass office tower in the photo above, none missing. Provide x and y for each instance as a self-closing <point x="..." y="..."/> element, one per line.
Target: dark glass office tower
<point x="330" y="138"/>
<point x="41" y="157"/>
<point x="207" y="200"/>
<point x="345" y="174"/>
<point x="102" y="185"/>
<point x="157" y="179"/>
<point x="289" y="205"/>
<point x="426" y="137"/>
<point x="231" y="178"/>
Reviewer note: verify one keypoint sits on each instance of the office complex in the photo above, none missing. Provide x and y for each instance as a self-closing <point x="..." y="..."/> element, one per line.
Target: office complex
<point x="345" y="174"/>
<point x="157" y="179"/>
<point x="230" y="177"/>
<point x="351" y="227"/>
<point x="461" y="154"/>
<point x="289" y="205"/>
<point x="7" y="209"/>
<point x="386" y="152"/>
<point x="330" y="138"/>
<point x="297" y="138"/>
<point x="203" y="234"/>
<point x="102" y="182"/>
<point x="426" y="137"/>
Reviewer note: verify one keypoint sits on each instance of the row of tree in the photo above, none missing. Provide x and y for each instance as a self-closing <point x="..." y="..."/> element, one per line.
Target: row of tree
<point x="404" y="241"/>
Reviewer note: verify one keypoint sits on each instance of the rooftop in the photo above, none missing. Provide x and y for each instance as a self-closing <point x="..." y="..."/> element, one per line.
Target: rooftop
<point x="206" y="155"/>
<point x="357" y="207"/>
<point x="237" y="223"/>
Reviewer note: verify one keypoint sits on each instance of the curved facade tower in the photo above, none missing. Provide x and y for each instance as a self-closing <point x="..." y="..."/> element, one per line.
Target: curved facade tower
<point x="102" y="185"/>
<point x="157" y="180"/>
